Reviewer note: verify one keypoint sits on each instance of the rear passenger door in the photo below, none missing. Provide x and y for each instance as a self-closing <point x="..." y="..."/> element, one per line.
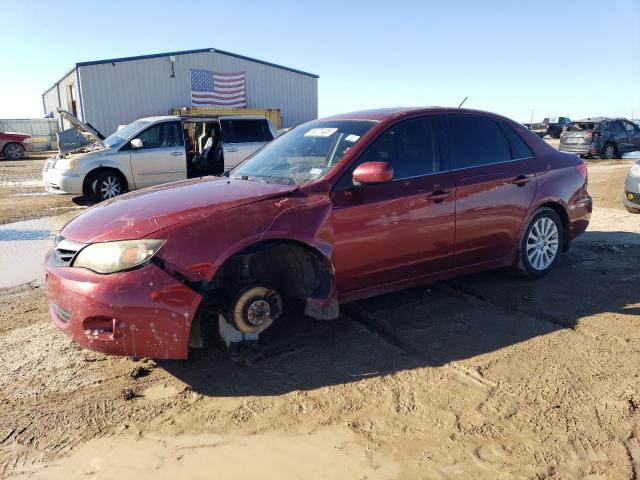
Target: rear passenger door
<point x="241" y="137"/>
<point x="495" y="186"/>
<point x="619" y="136"/>
<point x="633" y="135"/>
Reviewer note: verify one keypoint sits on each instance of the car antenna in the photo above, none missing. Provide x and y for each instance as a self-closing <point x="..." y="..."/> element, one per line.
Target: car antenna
<point x="462" y="102"/>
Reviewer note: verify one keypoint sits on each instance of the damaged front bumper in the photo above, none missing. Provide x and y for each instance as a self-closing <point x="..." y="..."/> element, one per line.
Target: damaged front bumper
<point x="140" y="313"/>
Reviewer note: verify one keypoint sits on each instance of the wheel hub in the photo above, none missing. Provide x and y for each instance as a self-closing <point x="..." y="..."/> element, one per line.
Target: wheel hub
<point x="542" y="243"/>
<point x="258" y="312"/>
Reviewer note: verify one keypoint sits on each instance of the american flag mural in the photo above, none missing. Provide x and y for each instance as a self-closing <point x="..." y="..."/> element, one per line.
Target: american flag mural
<point x="218" y="89"/>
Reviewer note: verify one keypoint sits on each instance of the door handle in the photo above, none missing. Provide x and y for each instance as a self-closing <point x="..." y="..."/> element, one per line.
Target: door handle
<point x="439" y="196"/>
<point x="522" y="180"/>
<point x="175" y="154"/>
<point x="233" y="149"/>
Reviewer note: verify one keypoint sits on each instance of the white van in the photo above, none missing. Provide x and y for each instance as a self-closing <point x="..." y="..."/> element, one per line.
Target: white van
<point x="154" y="150"/>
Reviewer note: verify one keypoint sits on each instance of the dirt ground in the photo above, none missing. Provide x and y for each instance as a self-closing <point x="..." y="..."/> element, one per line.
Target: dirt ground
<point x="488" y="376"/>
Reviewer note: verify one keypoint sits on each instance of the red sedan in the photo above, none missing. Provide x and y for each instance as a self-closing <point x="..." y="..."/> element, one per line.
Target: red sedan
<point x="13" y="145"/>
<point x="332" y="211"/>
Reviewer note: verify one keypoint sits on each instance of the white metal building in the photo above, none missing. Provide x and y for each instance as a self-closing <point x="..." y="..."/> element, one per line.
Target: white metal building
<point x="108" y="93"/>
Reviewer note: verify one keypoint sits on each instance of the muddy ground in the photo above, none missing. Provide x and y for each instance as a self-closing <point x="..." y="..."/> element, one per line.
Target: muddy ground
<point x="487" y="376"/>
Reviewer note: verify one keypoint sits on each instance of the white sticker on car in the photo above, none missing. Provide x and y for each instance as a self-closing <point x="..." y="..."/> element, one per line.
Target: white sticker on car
<point x="352" y="138"/>
<point x="315" y="171"/>
<point x="321" y="132"/>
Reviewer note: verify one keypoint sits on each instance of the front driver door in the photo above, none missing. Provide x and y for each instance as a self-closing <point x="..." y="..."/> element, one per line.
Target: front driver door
<point x="162" y="157"/>
<point x="395" y="231"/>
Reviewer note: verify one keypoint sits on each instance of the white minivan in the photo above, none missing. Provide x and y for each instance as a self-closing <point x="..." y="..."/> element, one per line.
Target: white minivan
<point x="154" y="150"/>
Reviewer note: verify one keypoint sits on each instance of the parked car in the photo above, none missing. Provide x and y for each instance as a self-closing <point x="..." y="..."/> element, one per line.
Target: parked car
<point x="152" y="151"/>
<point x="335" y="210"/>
<point x="551" y="126"/>
<point x="13" y="145"/>
<point x="600" y="137"/>
<point x="632" y="189"/>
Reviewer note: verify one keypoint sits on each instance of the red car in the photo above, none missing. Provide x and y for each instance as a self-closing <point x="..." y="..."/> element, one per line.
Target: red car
<point x="332" y="211"/>
<point x="13" y="145"/>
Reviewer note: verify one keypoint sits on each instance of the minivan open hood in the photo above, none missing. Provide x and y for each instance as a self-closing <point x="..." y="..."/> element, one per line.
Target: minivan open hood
<point x="83" y="127"/>
<point x="143" y="212"/>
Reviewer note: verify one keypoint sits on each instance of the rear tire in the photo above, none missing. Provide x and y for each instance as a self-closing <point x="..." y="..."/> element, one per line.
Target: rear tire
<point x="609" y="151"/>
<point x="541" y="244"/>
<point x="105" y="185"/>
<point x="13" y="151"/>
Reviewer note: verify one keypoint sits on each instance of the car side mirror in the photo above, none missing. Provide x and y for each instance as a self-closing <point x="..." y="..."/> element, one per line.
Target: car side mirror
<point x="371" y="173"/>
<point x="136" y="144"/>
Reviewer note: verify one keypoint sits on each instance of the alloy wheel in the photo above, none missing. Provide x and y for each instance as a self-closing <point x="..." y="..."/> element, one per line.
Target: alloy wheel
<point x="609" y="151"/>
<point x="110" y="187"/>
<point x="542" y="243"/>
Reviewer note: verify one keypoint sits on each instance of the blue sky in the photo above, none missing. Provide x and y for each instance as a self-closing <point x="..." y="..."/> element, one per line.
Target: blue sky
<point x="571" y="57"/>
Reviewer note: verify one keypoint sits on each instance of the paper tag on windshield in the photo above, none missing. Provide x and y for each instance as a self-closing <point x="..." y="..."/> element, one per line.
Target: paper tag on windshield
<point x="315" y="171"/>
<point x="321" y="132"/>
<point x="352" y="138"/>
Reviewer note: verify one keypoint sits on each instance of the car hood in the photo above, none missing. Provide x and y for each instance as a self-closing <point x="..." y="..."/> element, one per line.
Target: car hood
<point x="85" y="128"/>
<point x="141" y="213"/>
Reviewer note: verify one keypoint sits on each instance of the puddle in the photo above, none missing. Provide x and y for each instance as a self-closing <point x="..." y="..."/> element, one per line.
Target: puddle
<point x="23" y="184"/>
<point x="23" y="246"/>
<point x="33" y="194"/>
<point x="330" y="453"/>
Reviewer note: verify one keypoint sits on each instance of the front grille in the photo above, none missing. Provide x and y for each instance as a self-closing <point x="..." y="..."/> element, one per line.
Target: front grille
<point x="64" y="251"/>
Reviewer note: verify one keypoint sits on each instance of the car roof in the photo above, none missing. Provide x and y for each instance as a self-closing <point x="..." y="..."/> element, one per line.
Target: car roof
<point x="381" y="114"/>
<point x="593" y="120"/>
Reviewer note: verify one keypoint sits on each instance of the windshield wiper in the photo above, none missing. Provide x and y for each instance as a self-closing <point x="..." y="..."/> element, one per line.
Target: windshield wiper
<point x="250" y="178"/>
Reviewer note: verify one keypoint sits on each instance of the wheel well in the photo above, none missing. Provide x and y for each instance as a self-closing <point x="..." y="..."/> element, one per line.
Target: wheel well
<point x="89" y="177"/>
<point x="12" y="143"/>
<point x="293" y="268"/>
<point x="564" y="217"/>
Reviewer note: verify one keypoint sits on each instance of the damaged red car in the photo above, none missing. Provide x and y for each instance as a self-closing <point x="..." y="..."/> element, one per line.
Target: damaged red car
<point x="335" y="210"/>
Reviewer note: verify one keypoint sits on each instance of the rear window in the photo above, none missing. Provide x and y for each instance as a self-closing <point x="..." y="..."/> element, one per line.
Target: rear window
<point x="582" y="126"/>
<point x="246" y="131"/>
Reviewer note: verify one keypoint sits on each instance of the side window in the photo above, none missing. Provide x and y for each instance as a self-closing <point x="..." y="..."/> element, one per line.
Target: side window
<point x="246" y="131"/>
<point x="162" y="135"/>
<point x="412" y="148"/>
<point x="632" y="130"/>
<point x="617" y="129"/>
<point x="477" y="141"/>
<point x="519" y="149"/>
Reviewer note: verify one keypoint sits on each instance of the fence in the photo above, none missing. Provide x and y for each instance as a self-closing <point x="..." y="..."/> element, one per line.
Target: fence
<point x="42" y="130"/>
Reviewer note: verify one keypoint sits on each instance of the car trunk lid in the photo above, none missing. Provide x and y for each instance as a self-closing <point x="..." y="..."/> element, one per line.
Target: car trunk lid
<point x="579" y="133"/>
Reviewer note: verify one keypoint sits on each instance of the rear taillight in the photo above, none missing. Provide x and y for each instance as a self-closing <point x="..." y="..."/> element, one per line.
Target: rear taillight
<point x="582" y="169"/>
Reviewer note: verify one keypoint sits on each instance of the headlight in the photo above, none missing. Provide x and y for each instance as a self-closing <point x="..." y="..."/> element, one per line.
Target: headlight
<point x="635" y="171"/>
<point x="66" y="164"/>
<point x="27" y="140"/>
<point x="111" y="257"/>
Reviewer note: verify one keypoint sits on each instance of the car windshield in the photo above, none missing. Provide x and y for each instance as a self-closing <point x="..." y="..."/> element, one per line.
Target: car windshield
<point x="116" y="139"/>
<point x="303" y="154"/>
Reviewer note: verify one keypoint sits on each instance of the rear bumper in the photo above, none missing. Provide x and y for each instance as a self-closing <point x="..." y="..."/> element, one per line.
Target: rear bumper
<point x="580" y="149"/>
<point x="579" y="215"/>
<point x="141" y="313"/>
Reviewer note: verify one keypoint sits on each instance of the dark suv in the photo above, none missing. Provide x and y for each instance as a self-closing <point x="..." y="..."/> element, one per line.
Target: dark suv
<point x="600" y="137"/>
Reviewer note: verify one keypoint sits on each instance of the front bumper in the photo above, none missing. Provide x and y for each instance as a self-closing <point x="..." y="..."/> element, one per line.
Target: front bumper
<point x="141" y="313"/>
<point x="59" y="181"/>
<point x="632" y="188"/>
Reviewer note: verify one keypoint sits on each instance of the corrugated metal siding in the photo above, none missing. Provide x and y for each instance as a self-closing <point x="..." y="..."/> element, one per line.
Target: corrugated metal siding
<point x="118" y="93"/>
<point x="51" y="103"/>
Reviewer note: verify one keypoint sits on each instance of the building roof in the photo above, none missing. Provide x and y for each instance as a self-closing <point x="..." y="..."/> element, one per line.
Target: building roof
<point x="182" y="52"/>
